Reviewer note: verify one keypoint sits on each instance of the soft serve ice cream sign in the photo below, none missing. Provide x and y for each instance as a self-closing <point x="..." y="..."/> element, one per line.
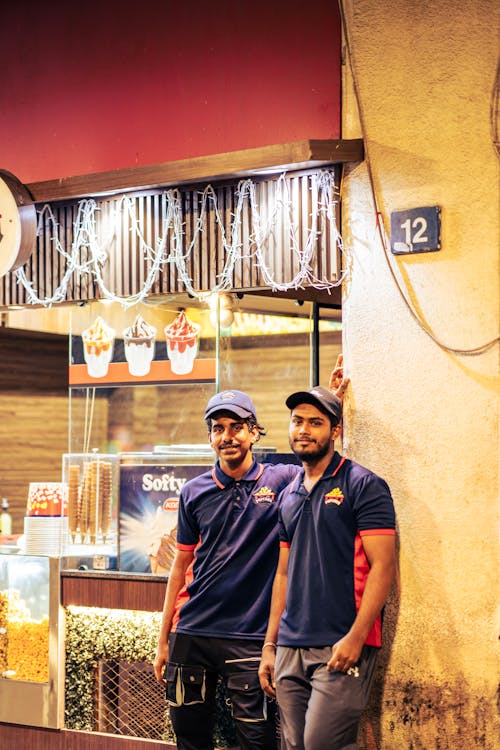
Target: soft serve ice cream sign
<point x="165" y="483"/>
<point x="98" y="342"/>
<point x="100" y="356"/>
<point x="149" y="499"/>
<point x="182" y="343"/>
<point x="139" y="343"/>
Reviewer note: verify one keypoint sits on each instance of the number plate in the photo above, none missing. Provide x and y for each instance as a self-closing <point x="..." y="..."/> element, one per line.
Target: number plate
<point x="416" y="230"/>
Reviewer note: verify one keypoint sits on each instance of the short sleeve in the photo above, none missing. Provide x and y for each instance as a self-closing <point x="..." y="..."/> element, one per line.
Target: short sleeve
<point x="188" y="533"/>
<point x="372" y="503"/>
<point x="283" y="536"/>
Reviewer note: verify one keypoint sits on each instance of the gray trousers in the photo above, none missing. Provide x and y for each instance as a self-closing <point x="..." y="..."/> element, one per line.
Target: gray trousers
<point x="320" y="710"/>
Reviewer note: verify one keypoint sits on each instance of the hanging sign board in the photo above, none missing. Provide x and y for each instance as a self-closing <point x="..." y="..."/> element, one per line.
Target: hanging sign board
<point x="416" y="230"/>
<point x="100" y="359"/>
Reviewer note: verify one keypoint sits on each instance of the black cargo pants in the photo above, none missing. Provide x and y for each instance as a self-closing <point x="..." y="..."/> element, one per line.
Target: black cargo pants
<point x="195" y="664"/>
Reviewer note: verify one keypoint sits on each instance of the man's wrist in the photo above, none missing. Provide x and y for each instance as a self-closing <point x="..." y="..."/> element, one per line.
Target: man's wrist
<point x="271" y="644"/>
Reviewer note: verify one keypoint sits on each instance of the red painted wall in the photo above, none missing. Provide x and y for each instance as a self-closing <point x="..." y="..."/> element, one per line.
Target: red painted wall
<point x="93" y="86"/>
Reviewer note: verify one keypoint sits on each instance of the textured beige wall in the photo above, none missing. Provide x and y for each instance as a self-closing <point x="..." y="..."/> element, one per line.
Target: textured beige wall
<point x="425" y="418"/>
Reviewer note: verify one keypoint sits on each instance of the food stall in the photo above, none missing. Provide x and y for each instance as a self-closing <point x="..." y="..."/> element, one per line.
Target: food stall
<point x="141" y="362"/>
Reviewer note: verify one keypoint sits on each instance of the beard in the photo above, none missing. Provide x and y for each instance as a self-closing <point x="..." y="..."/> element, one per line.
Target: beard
<point x="314" y="453"/>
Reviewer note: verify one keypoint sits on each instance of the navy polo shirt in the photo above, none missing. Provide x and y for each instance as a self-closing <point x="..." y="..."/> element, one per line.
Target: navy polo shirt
<point x="327" y="565"/>
<point x="233" y="527"/>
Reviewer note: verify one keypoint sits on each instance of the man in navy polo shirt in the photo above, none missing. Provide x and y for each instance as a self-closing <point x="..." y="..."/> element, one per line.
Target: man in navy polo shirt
<point x="335" y="570"/>
<point x="227" y="538"/>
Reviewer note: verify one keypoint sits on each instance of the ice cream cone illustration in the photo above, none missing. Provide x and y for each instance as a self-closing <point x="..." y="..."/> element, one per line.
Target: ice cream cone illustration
<point x="162" y="542"/>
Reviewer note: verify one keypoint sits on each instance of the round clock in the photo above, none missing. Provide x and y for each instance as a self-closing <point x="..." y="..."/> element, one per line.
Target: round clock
<point x="17" y="223"/>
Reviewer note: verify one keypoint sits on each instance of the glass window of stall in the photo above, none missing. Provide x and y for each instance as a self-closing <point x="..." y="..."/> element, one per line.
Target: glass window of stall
<point x="139" y="379"/>
<point x="262" y="345"/>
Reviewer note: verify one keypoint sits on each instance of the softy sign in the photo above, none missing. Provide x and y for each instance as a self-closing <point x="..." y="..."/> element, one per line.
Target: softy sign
<point x="149" y="498"/>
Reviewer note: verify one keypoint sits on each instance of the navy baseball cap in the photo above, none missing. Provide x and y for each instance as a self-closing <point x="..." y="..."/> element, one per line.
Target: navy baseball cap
<point x="320" y="397"/>
<point x="235" y="402"/>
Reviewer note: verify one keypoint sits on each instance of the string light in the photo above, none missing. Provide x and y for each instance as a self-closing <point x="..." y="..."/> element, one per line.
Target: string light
<point x="89" y="253"/>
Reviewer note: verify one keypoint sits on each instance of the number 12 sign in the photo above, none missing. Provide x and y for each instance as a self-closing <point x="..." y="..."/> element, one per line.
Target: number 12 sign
<point x="416" y="230"/>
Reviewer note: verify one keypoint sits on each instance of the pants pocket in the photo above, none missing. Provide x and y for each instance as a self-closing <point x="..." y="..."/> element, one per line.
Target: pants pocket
<point x="173" y="687"/>
<point x="248" y="701"/>
<point x="193" y="685"/>
<point x="186" y="685"/>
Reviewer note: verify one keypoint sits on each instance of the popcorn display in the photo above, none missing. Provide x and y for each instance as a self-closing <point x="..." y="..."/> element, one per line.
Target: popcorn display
<point x="98" y="343"/>
<point x="3" y="631"/>
<point x="46" y="499"/>
<point x="182" y="343"/>
<point x="90" y="501"/>
<point x="139" y="342"/>
<point x="24" y="641"/>
<point x="28" y="648"/>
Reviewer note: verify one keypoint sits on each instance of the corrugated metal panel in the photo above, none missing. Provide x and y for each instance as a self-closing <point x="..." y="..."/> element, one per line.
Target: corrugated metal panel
<point x="127" y="267"/>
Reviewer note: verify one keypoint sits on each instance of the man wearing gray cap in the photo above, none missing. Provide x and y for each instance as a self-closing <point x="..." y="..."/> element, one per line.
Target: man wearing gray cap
<point x="335" y="570"/>
<point x="227" y="547"/>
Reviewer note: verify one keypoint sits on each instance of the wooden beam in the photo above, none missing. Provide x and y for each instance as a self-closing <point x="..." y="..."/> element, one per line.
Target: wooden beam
<point x="332" y="297"/>
<point x="286" y="156"/>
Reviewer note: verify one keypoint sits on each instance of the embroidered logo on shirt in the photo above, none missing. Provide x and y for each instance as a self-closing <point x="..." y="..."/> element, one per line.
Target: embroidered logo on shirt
<point x="334" y="496"/>
<point x="264" y="495"/>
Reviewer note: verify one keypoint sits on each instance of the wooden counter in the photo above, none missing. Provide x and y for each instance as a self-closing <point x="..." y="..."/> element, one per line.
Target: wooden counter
<point x="113" y="590"/>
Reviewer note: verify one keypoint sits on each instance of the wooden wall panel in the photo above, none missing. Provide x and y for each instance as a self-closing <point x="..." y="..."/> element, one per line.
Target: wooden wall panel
<point x="34" y="414"/>
<point x="33" y="437"/>
<point x="33" y="361"/>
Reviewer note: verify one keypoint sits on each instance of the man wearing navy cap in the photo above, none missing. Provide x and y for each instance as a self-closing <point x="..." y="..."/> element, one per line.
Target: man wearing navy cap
<point x="335" y="570"/>
<point x="227" y="547"/>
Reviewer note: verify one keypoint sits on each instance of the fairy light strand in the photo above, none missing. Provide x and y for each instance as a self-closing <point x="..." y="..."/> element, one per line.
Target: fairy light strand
<point x="89" y="254"/>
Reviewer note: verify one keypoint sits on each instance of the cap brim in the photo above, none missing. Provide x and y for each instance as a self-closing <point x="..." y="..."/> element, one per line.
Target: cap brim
<point x="236" y="410"/>
<point x="301" y="397"/>
<point x="305" y="397"/>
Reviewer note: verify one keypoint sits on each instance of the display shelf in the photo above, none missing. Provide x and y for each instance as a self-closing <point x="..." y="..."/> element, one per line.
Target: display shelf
<point x="91" y="482"/>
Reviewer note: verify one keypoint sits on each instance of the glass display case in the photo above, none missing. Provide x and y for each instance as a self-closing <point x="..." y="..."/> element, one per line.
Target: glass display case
<point x="31" y="642"/>
<point x="122" y="508"/>
<point x="91" y="484"/>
